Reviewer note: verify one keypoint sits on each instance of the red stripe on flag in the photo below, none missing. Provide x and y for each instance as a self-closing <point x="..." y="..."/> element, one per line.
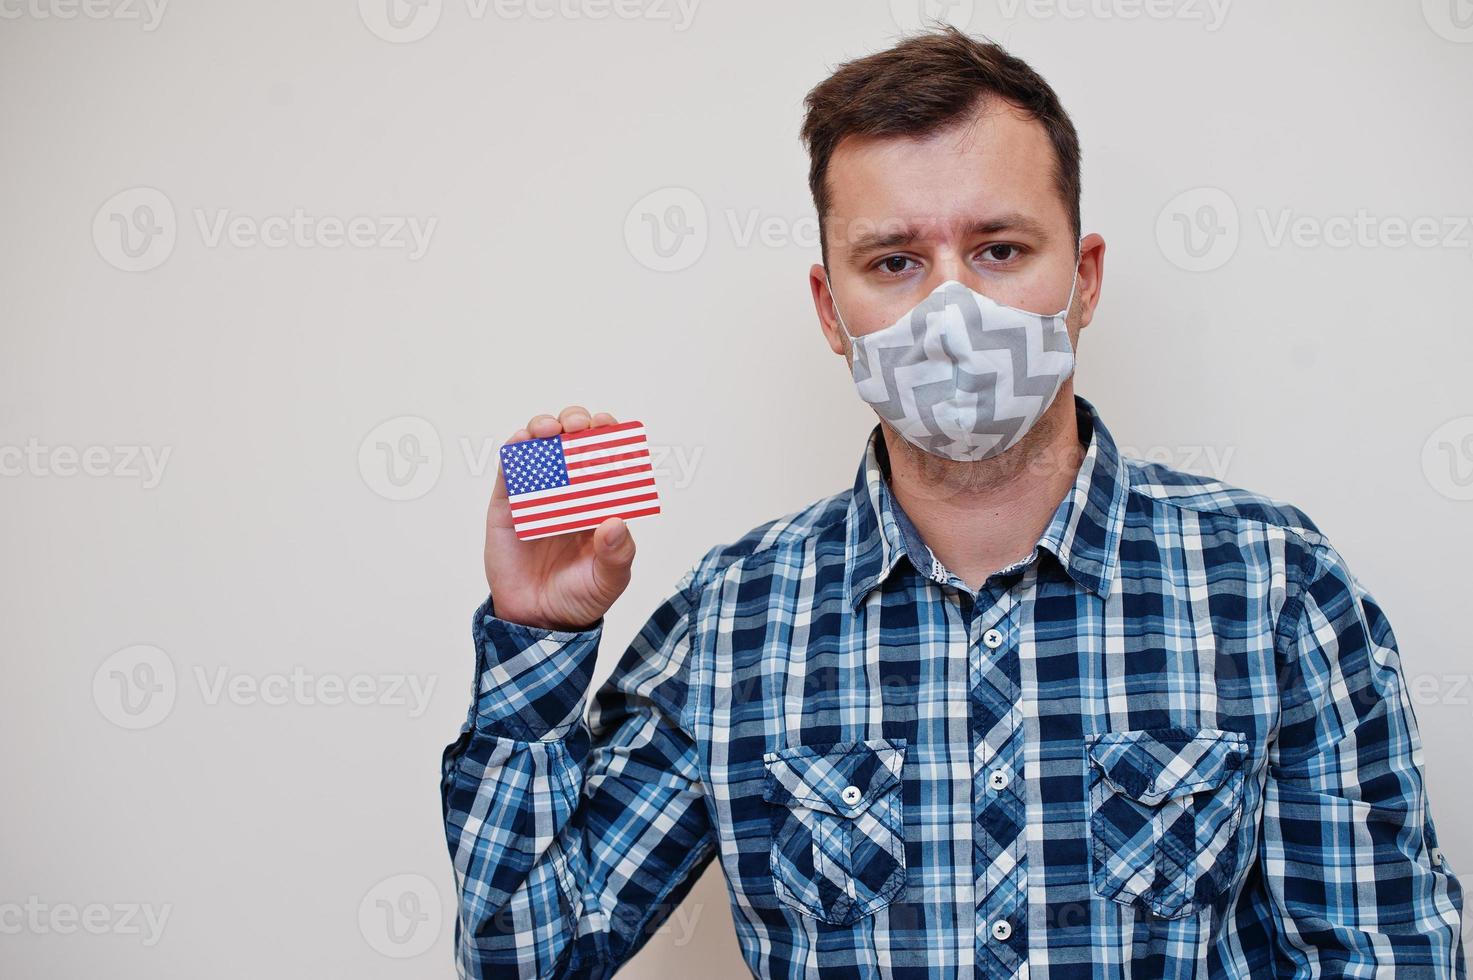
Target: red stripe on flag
<point x="627" y="471"/>
<point x="589" y="522"/>
<point x="637" y="454"/>
<point x="599" y="505"/>
<point x="573" y="495"/>
<point x="596" y="446"/>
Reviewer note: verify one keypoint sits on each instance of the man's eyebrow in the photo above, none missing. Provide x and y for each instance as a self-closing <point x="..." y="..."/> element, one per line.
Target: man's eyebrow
<point x="896" y="237"/>
<point x="870" y="240"/>
<point x="1012" y="221"/>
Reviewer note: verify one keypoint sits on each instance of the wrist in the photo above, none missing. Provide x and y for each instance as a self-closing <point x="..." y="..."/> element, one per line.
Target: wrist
<point x="538" y="621"/>
<point x="532" y="682"/>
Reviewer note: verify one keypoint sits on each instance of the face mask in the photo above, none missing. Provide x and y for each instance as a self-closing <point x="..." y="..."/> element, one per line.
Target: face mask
<point x="962" y="376"/>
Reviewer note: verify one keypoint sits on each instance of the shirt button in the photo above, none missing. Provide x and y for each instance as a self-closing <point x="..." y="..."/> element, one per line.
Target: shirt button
<point x="998" y="779"/>
<point x="851" y="795"/>
<point x="993" y="639"/>
<point x="1001" y="930"/>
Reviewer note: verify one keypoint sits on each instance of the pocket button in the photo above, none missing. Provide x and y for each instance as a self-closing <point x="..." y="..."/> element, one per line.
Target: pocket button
<point x="851" y="795"/>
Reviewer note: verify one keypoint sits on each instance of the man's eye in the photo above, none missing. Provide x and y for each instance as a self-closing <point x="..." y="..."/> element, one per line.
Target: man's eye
<point x="991" y="252"/>
<point x="894" y="264"/>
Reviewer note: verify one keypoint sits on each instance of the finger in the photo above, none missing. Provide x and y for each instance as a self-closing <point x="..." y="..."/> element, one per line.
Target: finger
<point x="575" y="418"/>
<point x="604" y="418"/>
<point x="542" y="426"/>
<point x="498" y="491"/>
<point x="613" y="555"/>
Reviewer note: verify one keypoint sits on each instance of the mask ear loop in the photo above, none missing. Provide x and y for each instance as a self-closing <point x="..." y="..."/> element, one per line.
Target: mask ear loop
<point x="835" y="300"/>
<point x="1069" y="304"/>
<point x="1075" y="284"/>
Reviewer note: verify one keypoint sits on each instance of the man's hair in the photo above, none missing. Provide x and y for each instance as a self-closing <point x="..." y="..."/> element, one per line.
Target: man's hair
<point x="922" y="85"/>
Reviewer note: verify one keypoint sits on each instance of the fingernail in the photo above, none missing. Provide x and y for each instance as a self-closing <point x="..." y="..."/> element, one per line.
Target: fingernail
<point x="616" y="536"/>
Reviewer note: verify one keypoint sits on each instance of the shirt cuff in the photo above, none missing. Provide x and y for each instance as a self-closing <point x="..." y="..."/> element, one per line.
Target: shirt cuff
<point x="533" y="683"/>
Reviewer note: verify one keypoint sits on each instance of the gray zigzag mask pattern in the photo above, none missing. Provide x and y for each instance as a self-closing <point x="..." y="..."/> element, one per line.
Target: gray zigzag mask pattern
<point x="962" y="376"/>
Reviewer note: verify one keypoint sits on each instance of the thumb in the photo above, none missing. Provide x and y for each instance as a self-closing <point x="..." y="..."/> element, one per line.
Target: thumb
<point x="613" y="555"/>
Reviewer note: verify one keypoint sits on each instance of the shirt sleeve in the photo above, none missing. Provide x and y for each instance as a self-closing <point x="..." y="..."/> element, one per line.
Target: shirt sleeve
<point x="1357" y="885"/>
<point x="572" y="840"/>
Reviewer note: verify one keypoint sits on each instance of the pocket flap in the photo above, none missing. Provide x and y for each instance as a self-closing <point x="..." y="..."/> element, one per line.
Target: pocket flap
<point x="840" y="778"/>
<point x="1157" y="764"/>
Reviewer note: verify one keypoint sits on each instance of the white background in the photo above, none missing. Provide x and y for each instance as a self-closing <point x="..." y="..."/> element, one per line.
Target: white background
<point x="280" y="834"/>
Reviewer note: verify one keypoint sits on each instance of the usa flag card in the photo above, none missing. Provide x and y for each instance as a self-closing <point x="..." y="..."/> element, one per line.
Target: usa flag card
<point x="577" y="480"/>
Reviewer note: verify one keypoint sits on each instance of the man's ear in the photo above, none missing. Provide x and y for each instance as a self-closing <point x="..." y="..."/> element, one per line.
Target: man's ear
<point x="823" y="304"/>
<point x="1091" y="276"/>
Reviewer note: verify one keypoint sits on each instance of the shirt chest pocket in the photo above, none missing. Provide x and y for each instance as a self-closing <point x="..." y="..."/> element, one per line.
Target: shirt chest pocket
<point x="1165" y="805"/>
<point x="838" y="843"/>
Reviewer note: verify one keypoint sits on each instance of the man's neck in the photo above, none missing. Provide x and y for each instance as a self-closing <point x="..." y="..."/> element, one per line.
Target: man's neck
<point x="982" y="516"/>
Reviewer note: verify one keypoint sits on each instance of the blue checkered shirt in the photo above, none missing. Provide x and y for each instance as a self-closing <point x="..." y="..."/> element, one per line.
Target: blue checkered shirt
<point x="1173" y="741"/>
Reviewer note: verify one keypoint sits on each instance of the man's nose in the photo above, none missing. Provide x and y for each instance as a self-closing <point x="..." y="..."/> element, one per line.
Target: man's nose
<point x="953" y="265"/>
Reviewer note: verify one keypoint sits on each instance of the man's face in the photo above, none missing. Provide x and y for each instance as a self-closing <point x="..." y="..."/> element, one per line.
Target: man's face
<point x="975" y="202"/>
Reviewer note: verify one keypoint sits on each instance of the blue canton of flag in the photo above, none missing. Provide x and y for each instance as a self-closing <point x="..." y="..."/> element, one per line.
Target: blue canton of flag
<point x="536" y="464"/>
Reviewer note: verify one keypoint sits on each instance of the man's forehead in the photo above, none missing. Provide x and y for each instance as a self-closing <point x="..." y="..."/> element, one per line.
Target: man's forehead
<point x="991" y="165"/>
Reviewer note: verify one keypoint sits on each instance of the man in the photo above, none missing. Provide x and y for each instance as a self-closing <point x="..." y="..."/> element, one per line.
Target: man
<point x="1011" y="705"/>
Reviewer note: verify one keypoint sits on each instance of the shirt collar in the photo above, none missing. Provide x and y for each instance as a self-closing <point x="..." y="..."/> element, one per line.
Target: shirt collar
<point x="1083" y="534"/>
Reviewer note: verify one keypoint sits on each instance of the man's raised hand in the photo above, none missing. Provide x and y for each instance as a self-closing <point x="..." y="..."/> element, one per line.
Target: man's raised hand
<point x="566" y="582"/>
